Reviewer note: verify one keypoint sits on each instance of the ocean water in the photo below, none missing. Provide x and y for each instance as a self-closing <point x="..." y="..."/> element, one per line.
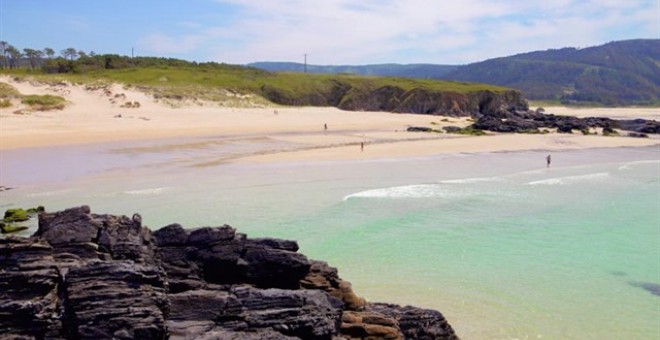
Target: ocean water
<point x="504" y="247"/>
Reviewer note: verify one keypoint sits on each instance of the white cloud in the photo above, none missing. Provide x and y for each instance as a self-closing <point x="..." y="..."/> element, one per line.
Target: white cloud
<point x="371" y="31"/>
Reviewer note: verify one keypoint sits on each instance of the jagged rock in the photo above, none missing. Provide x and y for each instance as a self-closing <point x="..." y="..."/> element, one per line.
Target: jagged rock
<point x="369" y="325"/>
<point x="417" y="323"/>
<point x="102" y="276"/>
<point x="530" y="121"/>
<point x="324" y="277"/>
<point x="270" y="267"/>
<point x="177" y="259"/>
<point x="117" y="299"/>
<point x="72" y="231"/>
<point x="125" y="239"/>
<point x="305" y="314"/>
<point x="30" y="284"/>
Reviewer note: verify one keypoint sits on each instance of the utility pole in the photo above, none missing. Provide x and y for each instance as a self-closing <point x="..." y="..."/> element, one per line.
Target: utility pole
<point x="305" y="68"/>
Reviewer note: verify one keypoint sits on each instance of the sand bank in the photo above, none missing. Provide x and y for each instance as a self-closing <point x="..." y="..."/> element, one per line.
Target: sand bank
<point x="100" y="115"/>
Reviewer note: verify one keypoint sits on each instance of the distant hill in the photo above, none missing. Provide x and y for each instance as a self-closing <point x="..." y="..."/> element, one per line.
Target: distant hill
<point x="423" y="71"/>
<point x="618" y="73"/>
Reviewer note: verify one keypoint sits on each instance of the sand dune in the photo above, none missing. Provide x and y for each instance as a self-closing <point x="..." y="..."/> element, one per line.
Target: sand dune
<point x="101" y="115"/>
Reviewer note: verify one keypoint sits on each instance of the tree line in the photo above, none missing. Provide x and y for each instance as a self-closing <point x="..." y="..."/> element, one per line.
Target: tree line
<point x="11" y="57"/>
<point x="71" y="60"/>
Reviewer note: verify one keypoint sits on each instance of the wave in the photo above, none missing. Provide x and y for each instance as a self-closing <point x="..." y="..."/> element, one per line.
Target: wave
<point x="406" y="191"/>
<point x="50" y="193"/>
<point x="572" y="179"/>
<point x="473" y="180"/>
<point x="149" y="191"/>
<point x="630" y="165"/>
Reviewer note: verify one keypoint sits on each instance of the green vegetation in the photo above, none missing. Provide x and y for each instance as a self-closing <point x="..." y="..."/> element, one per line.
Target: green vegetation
<point x="173" y="79"/>
<point x="5" y="103"/>
<point x="7" y="91"/>
<point x="618" y="73"/>
<point x="44" y="102"/>
<point x="468" y="130"/>
<point x="12" y="219"/>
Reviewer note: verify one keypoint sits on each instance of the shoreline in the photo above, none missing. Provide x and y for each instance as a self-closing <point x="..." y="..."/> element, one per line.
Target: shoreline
<point x="95" y="117"/>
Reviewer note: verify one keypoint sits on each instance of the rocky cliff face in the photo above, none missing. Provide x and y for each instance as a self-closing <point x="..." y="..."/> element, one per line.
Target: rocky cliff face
<point x="396" y="99"/>
<point x="84" y="275"/>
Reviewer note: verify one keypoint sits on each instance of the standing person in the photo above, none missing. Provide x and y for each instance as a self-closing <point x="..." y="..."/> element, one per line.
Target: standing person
<point x="325" y="127"/>
<point x="362" y="146"/>
<point x="548" y="159"/>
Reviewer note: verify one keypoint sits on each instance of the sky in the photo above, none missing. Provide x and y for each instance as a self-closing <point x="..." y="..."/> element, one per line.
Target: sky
<point x="328" y="32"/>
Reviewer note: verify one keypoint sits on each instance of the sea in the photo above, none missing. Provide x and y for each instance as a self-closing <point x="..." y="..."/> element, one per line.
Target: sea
<point x="503" y="246"/>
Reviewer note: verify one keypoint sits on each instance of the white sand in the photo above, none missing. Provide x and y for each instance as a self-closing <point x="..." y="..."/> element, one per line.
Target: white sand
<point x="92" y="116"/>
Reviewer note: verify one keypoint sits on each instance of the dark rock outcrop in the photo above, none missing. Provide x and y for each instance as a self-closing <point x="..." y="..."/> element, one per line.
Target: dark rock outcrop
<point x="84" y="276"/>
<point x="531" y="121"/>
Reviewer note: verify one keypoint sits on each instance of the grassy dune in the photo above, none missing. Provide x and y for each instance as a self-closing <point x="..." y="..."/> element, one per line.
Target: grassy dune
<point x="221" y="82"/>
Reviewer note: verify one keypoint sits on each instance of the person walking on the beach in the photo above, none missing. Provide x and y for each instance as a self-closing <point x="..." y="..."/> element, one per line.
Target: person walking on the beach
<point x="548" y="159"/>
<point x="325" y="127"/>
<point x="362" y="146"/>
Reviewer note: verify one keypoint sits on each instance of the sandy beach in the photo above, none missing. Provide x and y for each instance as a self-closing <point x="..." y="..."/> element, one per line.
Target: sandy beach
<point x="474" y="226"/>
<point x="100" y="116"/>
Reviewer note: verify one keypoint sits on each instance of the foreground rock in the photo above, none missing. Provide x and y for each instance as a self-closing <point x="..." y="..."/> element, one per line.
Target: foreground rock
<point x="84" y="275"/>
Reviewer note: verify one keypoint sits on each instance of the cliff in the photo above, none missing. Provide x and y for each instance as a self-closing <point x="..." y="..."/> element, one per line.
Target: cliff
<point x="358" y="95"/>
<point x="83" y="276"/>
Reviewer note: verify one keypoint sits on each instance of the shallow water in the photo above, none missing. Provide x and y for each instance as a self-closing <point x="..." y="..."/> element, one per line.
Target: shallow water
<point x="504" y="247"/>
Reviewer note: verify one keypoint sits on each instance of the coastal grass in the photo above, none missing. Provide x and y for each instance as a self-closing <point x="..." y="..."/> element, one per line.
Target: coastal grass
<point x="7" y="91"/>
<point x="44" y="102"/>
<point x="229" y="82"/>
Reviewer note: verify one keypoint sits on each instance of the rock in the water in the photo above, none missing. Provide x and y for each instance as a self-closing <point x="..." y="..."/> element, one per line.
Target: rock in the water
<point x="84" y="276"/>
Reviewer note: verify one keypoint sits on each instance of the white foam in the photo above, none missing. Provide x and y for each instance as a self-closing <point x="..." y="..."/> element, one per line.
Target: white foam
<point x="149" y="191"/>
<point x="407" y="191"/>
<point x="630" y="165"/>
<point x="572" y="179"/>
<point x="473" y="180"/>
<point x="49" y="193"/>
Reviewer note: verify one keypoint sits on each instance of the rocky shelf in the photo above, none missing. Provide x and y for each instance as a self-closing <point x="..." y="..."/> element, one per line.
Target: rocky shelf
<point x="90" y="276"/>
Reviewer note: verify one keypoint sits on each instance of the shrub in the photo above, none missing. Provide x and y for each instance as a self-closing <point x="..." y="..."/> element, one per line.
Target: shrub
<point x="4" y="103"/>
<point x="44" y="102"/>
<point x="8" y="91"/>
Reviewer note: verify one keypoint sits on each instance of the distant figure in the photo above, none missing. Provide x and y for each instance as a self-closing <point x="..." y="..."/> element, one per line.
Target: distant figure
<point x="362" y="146"/>
<point x="548" y="159"/>
<point x="275" y="112"/>
<point x="325" y="127"/>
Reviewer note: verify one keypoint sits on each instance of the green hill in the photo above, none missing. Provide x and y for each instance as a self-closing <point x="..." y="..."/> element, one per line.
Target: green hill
<point x="618" y="73"/>
<point x="177" y="79"/>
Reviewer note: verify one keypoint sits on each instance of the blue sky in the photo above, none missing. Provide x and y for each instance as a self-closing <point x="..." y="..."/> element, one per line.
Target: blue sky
<point x="328" y="31"/>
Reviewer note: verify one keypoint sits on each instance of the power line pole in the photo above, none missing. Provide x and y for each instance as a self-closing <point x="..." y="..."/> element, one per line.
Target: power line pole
<point x="305" y="68"/>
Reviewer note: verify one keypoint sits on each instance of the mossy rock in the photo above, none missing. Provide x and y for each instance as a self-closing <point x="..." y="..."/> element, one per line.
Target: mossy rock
<point x="11" y="228"/>
<point x="20" y="214"/>
<point x="16" y="215"/>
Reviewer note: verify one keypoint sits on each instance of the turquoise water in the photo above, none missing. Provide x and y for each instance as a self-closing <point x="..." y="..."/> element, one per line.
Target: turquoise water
<point x="504" y="247"/>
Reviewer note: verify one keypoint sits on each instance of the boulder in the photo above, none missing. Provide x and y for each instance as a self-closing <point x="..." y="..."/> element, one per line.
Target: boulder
<point x="103" y="276"/>
<point x="416" y="323"/>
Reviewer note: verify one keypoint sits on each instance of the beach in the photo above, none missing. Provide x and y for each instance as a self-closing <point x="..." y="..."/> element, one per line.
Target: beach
<point x="476" y="227"/>
<point x="97" y="116"/>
